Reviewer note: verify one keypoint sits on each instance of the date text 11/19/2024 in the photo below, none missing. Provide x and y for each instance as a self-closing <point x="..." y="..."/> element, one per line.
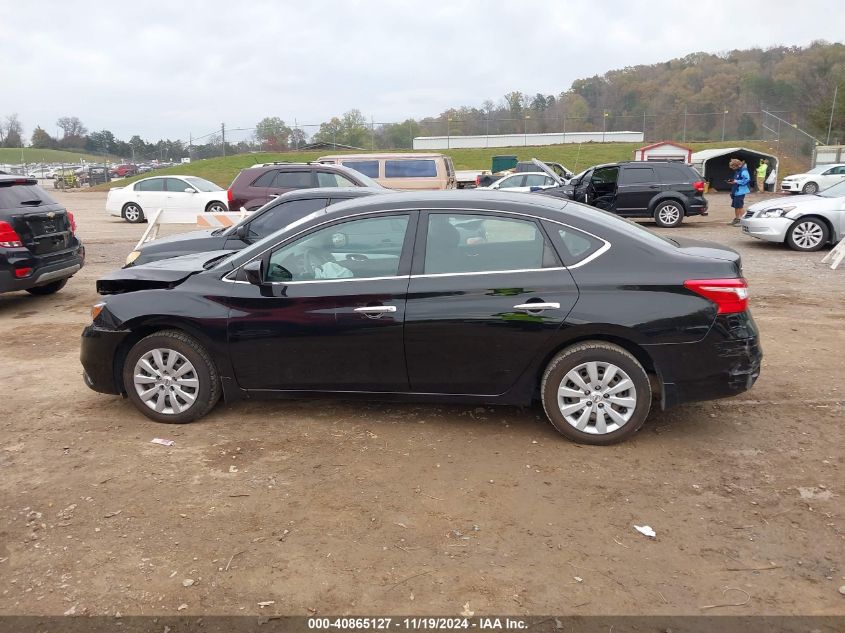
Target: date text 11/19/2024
<point x="417" y="623"/>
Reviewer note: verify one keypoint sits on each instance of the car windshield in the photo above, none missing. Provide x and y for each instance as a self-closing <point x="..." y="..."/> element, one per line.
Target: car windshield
<point x="365" y="180"/>
<point x="836" y="191"/>
<point x="201" y="184"/>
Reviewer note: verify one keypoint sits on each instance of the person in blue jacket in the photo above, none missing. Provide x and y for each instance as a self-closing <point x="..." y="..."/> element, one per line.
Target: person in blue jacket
<point x="739" y="187"/>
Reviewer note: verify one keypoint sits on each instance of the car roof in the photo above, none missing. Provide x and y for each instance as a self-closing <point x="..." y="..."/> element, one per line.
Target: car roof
<point x="331" y="192"/>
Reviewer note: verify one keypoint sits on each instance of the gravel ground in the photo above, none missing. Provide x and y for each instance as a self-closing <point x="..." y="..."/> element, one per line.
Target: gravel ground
<point x="337" y="507"/>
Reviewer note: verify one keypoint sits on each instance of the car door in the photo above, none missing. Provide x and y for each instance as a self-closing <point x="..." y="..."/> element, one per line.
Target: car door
<point x="329" y="314"/>
<point x="151" y="194"/>
<point x="580" y="192"/>
<point x="288" y="180"/>
<point x="638" y="184"/>
<point x="602" y="189"/>
<point x="469" y="324"/>
<point x="178" y="199"/>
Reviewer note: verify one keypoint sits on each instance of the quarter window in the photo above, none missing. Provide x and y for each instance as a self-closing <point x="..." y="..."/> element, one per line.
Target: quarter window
<point x="410" y="169"/>
<point x="573" y="245"/>
<point x="265" y="179"/>
<point x="357" y="249"/>
<point x="151" y="184"/>
<point x="366" y="167"/>
<point x="326" y="179"/>
<point x="483" y="243"/>
<point x="637" y="175"/>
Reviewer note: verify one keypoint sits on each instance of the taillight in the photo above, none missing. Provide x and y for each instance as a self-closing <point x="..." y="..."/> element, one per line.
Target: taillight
<point x="229" y="195"/>
<point x="729" y="295"/>
<point x="20" y="273"/>
<point x="698" y="185"/>
<point x="478" y="181"/>
<point x="9" y="238"/>
<point x="72" y="221"/>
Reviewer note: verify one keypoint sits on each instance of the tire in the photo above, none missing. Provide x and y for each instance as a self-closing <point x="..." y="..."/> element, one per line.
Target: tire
<point x="151" y="362"/>
<point x="216" y="207"/>
<point x="596" y="358"/>
<point x="133" y="213"/>
<point x="810" y="188"/>
<point x="669" y="214"/>
<point x="807" y="235"/>
<point x="48" y="289"/>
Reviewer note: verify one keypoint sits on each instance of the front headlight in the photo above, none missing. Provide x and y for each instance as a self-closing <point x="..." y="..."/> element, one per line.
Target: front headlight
<point x="775" y="213"/>
<point x="132" y="257"/>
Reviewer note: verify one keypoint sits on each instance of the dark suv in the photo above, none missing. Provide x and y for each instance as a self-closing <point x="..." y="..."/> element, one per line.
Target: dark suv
<point x="257" y="185"/>
<point x="664" y="190"/>
<point x="39" y="250"/>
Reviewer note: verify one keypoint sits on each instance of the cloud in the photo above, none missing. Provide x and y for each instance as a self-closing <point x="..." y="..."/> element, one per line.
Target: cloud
<point x="162" y="69"/>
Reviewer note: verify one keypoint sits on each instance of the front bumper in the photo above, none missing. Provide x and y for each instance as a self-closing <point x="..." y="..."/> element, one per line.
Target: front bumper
<point x="768" y="229"/>
<point x="790" y="186"/>
<point x="724" y="363"/>
<point x="99" y="355"/>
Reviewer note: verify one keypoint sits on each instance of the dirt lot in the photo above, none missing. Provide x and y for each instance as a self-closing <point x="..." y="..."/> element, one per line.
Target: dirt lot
<point x="336" y="507"/>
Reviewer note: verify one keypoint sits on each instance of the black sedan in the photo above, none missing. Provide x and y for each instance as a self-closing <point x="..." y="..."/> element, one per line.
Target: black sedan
<point x="285" y="209"/>
<point x="459" y="296"/>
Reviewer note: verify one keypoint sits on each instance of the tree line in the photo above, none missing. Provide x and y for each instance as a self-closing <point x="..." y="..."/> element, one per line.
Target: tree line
<point x="705" y="95"/>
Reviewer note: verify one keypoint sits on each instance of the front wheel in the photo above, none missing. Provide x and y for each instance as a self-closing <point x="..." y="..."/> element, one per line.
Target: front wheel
<point x="133" y="213"/>
<point x="170" y="377"/>
<point x="596" y="393"/>
<point x="807" y="234"/>
<point x="47" y="289"/>
<point x="810" y="188"/>
<point x="669" y="214"/>
<point x="216" y="207"/>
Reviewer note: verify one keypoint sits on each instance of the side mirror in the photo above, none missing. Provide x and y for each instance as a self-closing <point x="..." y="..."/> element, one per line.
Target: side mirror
<point x="255" y="272"/>
<point x="190" y="190"/>
<point x="575" y="182"/>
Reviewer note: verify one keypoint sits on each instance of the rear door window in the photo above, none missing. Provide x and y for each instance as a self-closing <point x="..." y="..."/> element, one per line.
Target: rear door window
<point x="464" y="243"/>
<point x="535" y="180"/>
<point x="177" y="185"/>
<point x="637" y="175"/>
<point x="152" y="184"/>
<point x="410" y="169"/>
<point x="292" y="180"/>
<point x="265" y="179"/>
<point x="366" y="167"/>
<point x="23" y="195"/>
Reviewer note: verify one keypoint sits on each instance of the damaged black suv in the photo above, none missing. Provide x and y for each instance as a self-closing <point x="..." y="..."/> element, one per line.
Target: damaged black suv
<point x="39" y="250"/>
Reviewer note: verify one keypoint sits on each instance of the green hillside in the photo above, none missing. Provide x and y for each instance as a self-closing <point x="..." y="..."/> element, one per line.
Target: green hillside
<point x="223" y="170"/>
<point x="16" y="156"/>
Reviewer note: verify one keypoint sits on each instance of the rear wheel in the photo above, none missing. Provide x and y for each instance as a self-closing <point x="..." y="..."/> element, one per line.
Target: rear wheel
<point x="47" y="289"/>
<point x="216" y="207"/>
<point x="810" y="188"/>
<point x="807" y="234"/>
<point x="669" y="214"/>
<point x="133" y="213"/>
<point x="170" y="377"/>
<point x="596" y="393"/>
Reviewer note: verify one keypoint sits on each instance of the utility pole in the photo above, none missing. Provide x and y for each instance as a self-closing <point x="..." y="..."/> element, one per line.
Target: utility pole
<point x="644" y="126"/>
<point x="295" y="136"/>
<point x="525" y="129"/>
<point x="603" y="129"/>
<point x="685" y="124"/>
<point x="832" y="108"/>
<point x="724" y="117"/>
<point x="448" y="133"/>
<point x="223" y="136"/>
<point x="372" y="133"/>
<point x="190" y="145"/>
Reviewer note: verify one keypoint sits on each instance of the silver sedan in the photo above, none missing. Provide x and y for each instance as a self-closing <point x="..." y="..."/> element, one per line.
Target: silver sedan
<point x="805" y="223"/>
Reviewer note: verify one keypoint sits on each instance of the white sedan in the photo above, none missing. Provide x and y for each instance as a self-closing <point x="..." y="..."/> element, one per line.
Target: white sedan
<point x="818" y="178"/>
<point x="187" y="194"/>
<point x="805" y="223"/>
<point x="524" y="181"/>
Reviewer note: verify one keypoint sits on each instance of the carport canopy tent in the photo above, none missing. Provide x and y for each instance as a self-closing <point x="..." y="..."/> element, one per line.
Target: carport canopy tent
<point x="713" y="165"/>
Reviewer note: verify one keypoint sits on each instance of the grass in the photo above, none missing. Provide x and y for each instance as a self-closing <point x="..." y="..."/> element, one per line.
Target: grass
<point x="576" y="157"/>
<point x="12" y="156"/>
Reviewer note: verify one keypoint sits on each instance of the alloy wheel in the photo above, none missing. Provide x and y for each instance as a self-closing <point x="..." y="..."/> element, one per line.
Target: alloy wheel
<point x="597" y="397"/>
<point x="132" y="213"/>
<point x="216" y="208"/>
<point x="807" y="235"/>
<point x="166" y="381"/>
<point x="669" y="214"/>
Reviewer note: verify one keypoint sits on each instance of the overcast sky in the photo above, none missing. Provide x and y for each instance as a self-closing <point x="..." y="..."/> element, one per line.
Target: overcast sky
<point x="164" y="69"/>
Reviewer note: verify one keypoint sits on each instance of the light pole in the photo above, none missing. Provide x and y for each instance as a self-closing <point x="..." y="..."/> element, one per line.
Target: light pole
<point x="448" y="132"/>
<point x="525" y="129"/>
<point x="685" y="124"/>
<point x="724" y="116"/>
<point x="604" y="126"/>
<point x="832" y="108"/>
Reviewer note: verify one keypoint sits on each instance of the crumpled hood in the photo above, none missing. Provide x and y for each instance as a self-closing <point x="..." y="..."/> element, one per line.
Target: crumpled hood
<point x="165" y="273"/>
<point x="181" y="237"/>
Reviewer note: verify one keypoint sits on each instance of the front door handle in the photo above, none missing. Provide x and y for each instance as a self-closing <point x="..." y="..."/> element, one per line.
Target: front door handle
<point x="537" y="307"/>
<point x="375" y="312"/>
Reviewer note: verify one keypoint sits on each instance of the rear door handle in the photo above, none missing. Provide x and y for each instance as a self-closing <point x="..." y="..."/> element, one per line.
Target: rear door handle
<point x="537" y="307"/>
<point x="375" y="312"/>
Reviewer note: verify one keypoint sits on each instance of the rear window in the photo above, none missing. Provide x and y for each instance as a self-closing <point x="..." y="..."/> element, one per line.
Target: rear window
<point x="366" y="167"/>
<point x="24" y="195"/>
<point x="410" y="169"/>
<point x="153" y="184"/>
